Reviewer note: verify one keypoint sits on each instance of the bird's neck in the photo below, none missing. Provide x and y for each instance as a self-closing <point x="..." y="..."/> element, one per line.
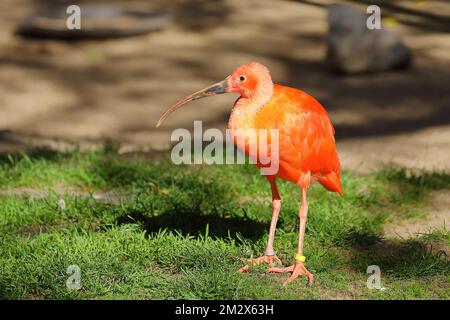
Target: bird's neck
<point x="247" y="107"/>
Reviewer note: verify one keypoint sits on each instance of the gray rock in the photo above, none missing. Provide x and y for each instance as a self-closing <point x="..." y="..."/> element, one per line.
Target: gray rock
<point x="354" y="48"/>
<point x="98" y="21"/>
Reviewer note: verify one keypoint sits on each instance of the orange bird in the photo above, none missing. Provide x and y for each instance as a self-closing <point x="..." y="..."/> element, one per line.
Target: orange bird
<point x="307" y="149"/>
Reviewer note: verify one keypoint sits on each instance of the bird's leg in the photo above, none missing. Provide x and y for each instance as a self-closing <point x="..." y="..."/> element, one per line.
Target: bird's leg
<point x="298" y="268"/>
<point x="269" y="254"/>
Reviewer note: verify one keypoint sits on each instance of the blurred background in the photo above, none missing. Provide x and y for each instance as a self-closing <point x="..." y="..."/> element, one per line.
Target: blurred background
<point x="63" y="93"/>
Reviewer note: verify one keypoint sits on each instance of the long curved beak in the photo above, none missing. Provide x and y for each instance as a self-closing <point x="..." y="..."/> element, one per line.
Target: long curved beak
<point x="217" y="88"/>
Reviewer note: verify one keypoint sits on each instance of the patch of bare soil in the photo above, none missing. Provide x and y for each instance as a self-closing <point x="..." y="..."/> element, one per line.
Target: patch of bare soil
<point x="63" y="94"/>
<point x="437" y="218"/>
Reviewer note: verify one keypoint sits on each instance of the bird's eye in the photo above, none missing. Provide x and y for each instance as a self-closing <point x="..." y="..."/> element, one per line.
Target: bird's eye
<point x="242" y="78"/>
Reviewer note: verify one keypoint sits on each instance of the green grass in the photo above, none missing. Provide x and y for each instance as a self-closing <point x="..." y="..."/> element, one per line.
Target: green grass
<point x="174" y="232"/>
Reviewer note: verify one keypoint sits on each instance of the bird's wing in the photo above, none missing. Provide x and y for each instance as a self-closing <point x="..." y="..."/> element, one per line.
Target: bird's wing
<point x="306" y="134"/>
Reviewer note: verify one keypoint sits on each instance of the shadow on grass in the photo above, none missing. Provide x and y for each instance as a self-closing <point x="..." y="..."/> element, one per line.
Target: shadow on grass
<point x="105" y="165"/>
<point x="195" y="224"/>
<point x="419" y="180"/>
<point x="401" y="259"/>
<point x="33" y="154"/>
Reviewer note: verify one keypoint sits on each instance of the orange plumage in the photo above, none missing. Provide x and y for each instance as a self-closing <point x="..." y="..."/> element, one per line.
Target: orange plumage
<point x="306" y="134"/>
<point x="306" y="137"/>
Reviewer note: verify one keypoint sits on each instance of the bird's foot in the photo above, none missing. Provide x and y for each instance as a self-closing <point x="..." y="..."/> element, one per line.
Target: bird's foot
<point x="297" y="269"/>
<point x="256" y="262"/>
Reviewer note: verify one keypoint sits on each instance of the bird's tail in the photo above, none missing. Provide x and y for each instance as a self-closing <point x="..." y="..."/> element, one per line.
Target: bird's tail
<point x="331" y="181"/>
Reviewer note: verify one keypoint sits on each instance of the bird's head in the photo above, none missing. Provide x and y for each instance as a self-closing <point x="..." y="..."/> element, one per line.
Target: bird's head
<point x="247" y="80"/>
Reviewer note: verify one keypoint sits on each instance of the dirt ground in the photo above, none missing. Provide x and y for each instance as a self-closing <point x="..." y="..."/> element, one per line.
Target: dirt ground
<point x="60" y="94"/>
<point x="55" y="92"/>
<point x="437" y="217"/>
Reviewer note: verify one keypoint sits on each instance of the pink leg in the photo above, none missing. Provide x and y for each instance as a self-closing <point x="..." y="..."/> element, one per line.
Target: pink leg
<point x="269" y="254"/>
<point x="298" y="268"/>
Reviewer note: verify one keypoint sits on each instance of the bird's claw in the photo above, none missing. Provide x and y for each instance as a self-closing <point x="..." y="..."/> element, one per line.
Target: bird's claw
<point x="256" y="262"/>
<point x="297" y="269"/>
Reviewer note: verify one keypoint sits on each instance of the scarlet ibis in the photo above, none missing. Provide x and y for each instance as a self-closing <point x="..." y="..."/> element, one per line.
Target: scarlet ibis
<point x="307" y="148"/>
